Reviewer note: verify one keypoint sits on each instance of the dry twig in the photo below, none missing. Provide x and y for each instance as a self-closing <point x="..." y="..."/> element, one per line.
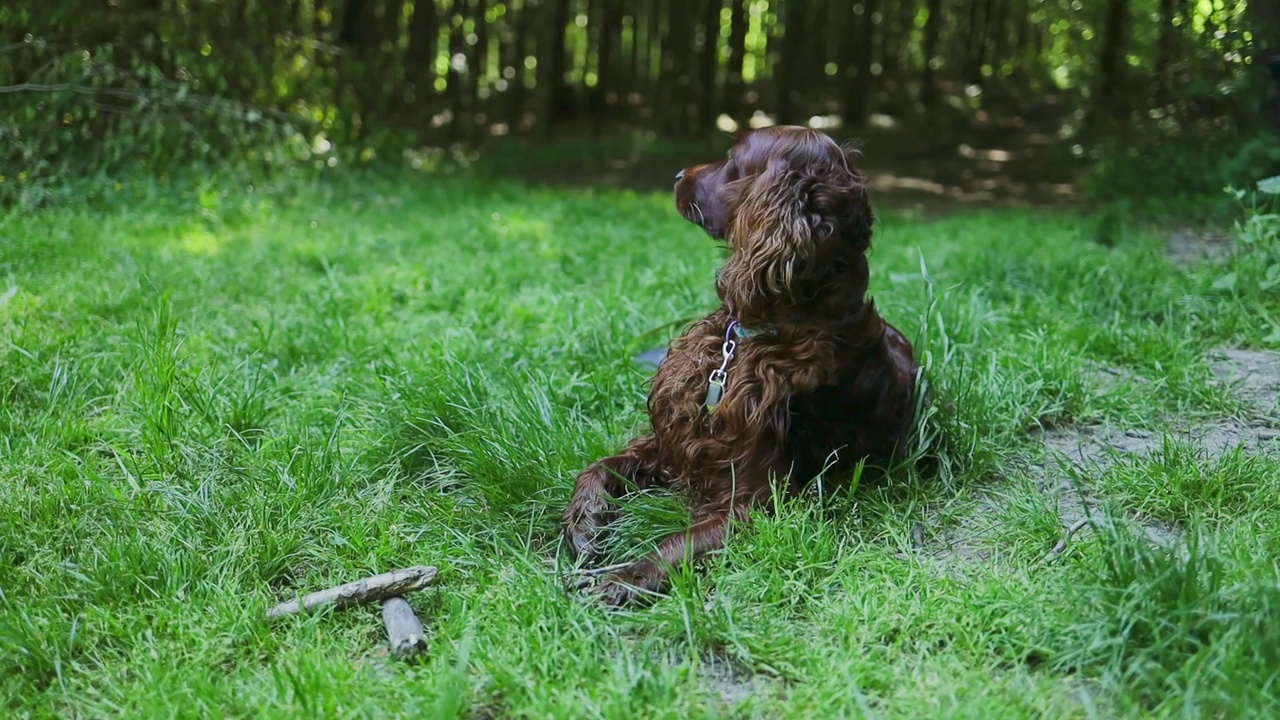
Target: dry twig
<point x="404" y="631"/>
<point x="1058" y="549"/>
<point x="595" y="572"/>
<point x="586" y="575"/>
<point x="359" y="592"/>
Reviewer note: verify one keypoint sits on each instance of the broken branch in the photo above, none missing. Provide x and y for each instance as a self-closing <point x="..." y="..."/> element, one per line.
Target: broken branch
<point x="585" y="575"/>
<point x="403" y="628"/>
<point x="1062" y="544"/>
<point x="359" y="592"/>
<point x="597" y="571"/>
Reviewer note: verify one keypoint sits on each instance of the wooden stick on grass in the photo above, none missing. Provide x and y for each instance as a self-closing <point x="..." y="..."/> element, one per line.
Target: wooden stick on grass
<point x="1062" y="544"/>
<point x="585" y="575"/>
<point x="596" y="571"/>
<point x="404" y="631"/>
<point x="360" y="592"/>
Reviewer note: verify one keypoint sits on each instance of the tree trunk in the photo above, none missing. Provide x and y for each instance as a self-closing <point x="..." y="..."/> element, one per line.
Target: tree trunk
<point x="420" y="60"/>
<point x="477" y="65"/>
<point x="972" y="39"/>
<point x="979" y="44"/>
<point x="932" y="32"/>
<point x="513" y="69"/>
<point x="738" y="25"/>
<point x="998" y="37"/>
<point x="677" y="72"/>
<point x="1111" y="69"/>
<point x="1022" y="39"/>
<point x="457" y="49"/>
<point x="608" y="31"/>
<point x="787" y="77"/>
<point x="631" y="75"/>
<point x="1165" y="44"/>
<point x="847" y="51"/>
<point x="892" y="32"/>
<point x="353" y="36"/>
<point x="387" y="24"/>
<point x="708" y="47"/>
<point x="656" y="91"/>
<point x="550" y="89"/>
<point x="904" y="41"/>
<point x="857" y="101"/>
<point x="386" y="84"/>
<point x="350" y="33"/>
<point x="1264" y="23"/>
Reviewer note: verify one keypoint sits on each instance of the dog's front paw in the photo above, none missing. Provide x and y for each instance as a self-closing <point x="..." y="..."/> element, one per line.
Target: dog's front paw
<point x="635" y="584"/>
<point x="588" y="514"/>
<point x="582" y="540"/>
<point x="584" y="529"/>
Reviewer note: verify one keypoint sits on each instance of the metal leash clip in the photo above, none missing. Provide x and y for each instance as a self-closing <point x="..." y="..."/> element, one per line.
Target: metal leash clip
<point x="715" y="383"/>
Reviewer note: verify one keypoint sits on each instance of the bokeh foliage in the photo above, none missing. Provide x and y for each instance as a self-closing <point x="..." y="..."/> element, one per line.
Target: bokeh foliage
<point x="94" y="86"/>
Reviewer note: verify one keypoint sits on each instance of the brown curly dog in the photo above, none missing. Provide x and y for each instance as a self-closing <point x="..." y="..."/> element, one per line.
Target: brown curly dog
<point x="793" y="375"/>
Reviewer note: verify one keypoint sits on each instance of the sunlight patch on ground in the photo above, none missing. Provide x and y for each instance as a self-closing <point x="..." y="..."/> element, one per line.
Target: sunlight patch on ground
<point x="525" y="228"/>
<point x="993" y="155"/>
<point x="824" y="122"/>
<point x="895" y="182"/>
<point x="199" y="241"/>
<point x="882" y="121"/>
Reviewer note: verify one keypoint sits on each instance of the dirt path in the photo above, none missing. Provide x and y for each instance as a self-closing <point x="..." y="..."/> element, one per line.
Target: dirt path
<point x="1255" y="376"/>
<point x="1075" y="451"/>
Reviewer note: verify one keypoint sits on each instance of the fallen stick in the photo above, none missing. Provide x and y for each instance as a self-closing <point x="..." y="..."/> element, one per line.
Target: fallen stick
<point x="359" y="592"/>
<point x="604" y="570"/>
<point x="585" y="575"/>
<point x="404" y="631"/>
<point x="1062" y="544"/>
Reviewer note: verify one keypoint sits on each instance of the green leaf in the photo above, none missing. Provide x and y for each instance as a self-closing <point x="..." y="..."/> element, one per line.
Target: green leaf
<point x="1273" y="277"/>
<point x="1226" y="282"/>
<point x="1270" y="186"/>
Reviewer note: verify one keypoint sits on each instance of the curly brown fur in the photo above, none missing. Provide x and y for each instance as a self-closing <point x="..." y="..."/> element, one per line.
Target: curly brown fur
<point x="823" y="384"/>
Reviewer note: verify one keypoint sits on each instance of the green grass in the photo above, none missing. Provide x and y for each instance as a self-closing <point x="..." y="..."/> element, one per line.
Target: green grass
<point x="211" y="400"/>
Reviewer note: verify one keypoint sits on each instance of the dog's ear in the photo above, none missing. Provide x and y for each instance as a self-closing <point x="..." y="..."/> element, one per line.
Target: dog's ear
<point x="789" y="226"/>
<point x="838" y="203"/>
<point x="769" y="237"/>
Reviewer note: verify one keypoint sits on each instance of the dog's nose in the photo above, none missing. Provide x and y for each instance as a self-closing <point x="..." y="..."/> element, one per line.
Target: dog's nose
<point x="679" y="176"/>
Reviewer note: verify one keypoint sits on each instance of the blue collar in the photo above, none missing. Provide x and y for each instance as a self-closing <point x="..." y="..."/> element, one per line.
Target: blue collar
<point x="735" y="330"/>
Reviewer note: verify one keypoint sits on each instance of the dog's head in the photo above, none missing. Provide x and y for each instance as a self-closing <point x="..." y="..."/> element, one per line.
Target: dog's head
<point x="793" y="211"/>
